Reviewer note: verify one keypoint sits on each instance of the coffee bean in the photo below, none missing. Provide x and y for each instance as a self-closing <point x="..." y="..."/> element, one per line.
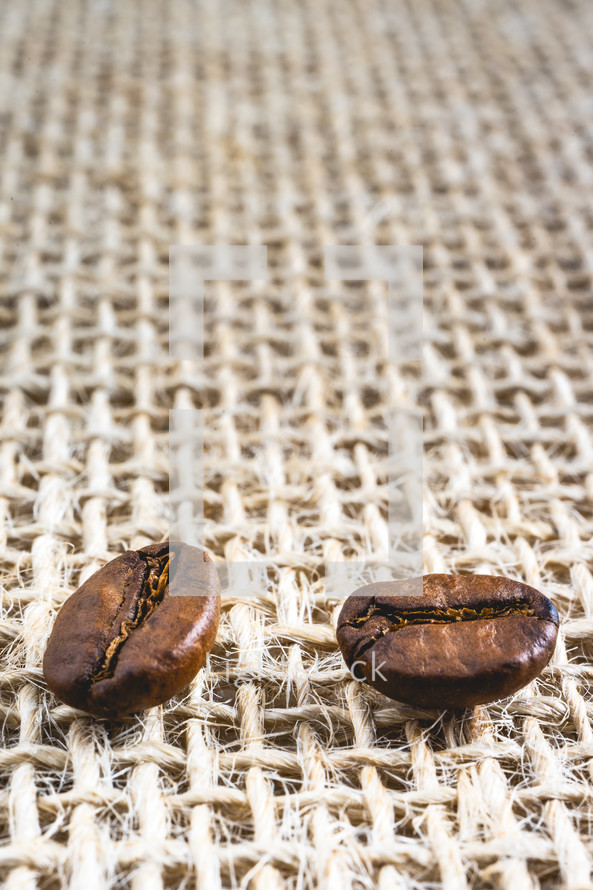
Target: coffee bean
<point x="469" y="639"/>
<point x="123" y="643"/>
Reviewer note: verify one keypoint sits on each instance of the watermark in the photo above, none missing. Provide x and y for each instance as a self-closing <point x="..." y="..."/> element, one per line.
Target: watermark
<point x="401" y="269"/>
<point x="375" y="671"/>
<point x="258" y="669"/>
<point x="189" y="268"/>
<point x="244" y="573"/>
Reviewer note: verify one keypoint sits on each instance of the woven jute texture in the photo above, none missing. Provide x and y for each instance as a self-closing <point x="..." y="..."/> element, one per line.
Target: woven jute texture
<point x="462" y="127"/>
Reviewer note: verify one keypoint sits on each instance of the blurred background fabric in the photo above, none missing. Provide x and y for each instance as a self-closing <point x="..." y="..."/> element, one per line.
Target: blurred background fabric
<point x="127" y="127"/>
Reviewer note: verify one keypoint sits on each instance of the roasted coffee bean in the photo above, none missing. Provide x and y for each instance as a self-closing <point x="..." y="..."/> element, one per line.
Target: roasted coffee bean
<point x="469" y="639"/>
<point x="123" y="643"/>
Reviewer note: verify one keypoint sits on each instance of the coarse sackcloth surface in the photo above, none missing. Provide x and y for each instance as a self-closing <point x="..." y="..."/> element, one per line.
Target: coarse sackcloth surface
<point x="463" y="127"/>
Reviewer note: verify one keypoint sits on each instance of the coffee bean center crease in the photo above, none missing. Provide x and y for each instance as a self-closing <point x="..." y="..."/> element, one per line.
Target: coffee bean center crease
<point x="400" y="618"/>
<point x="152" y="591"/>
<point x="397" y="619"/>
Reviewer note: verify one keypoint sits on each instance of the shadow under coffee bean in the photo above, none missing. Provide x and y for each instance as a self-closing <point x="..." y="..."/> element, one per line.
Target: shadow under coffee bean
<point x="122" y="643"/>
<point x="468" y="640"/>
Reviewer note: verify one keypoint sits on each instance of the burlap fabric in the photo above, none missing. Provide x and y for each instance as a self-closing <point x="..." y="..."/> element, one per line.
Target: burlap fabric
<point x="128" y="127"/>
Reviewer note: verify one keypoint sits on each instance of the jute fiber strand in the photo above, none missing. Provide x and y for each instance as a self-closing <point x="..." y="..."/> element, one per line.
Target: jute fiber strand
<point x="462" y="127"/>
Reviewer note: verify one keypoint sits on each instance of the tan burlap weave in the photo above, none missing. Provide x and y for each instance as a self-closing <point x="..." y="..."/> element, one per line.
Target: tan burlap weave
<point x="464" y="127"/>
